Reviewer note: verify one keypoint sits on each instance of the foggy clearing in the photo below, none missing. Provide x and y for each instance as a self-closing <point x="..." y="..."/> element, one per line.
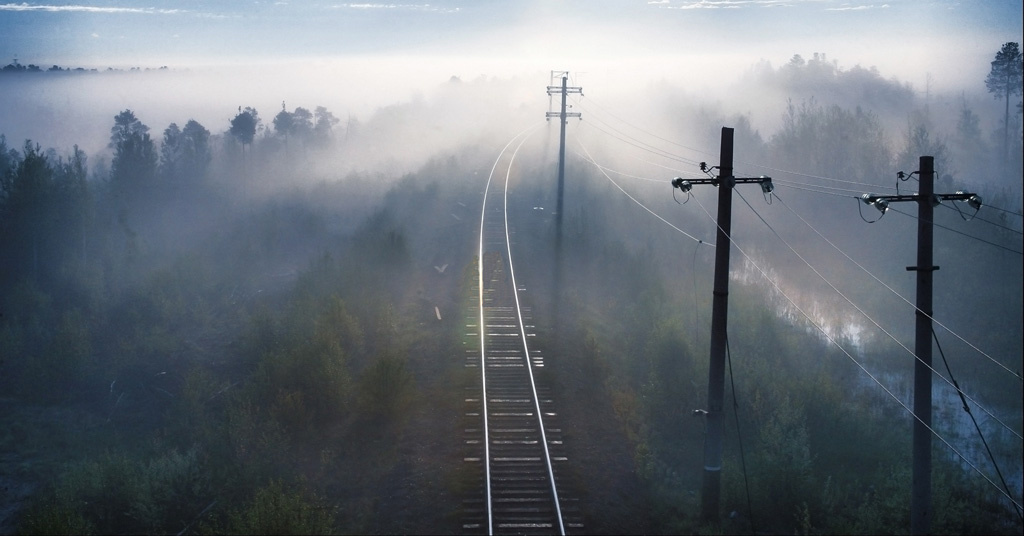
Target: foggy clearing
<point x="309" y="268"/>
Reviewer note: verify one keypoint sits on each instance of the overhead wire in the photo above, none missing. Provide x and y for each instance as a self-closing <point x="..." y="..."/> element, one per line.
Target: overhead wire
<point x="863" y="312"/>
<point x="967" y="409"/>
<point x="1014" y="212"/>
<point x="674" y="170"/>
<point x="834" y="191"/>
<point x="990" y="222"/>
<point x="857" y="198"/>
<point x="822" y="187"/>
<point x="639" y="144"/>
<point x="864" y="369"/>
<point x="950" y="229"/>
<point x="739" y="433"/>
<point x="696" y="305"/>
<point x="812" y="176"/>
<point x="621" y="173"/>
<point x="894" y="291"/>
<point x="789" y="184"/>
<point x="815" y="190"/>
<point x="579" y="101"/>
<point x="647" y="132"/>
<point x="644" y="145"/>
<point x="590" y="159"/>
<point x="818" y="191"/>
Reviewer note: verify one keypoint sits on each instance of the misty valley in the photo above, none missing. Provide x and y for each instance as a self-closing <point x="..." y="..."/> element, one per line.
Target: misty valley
<point x="268" y="316"/>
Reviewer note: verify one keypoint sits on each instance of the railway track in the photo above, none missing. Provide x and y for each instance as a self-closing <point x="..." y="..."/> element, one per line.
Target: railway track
<point x="512" y="436"/>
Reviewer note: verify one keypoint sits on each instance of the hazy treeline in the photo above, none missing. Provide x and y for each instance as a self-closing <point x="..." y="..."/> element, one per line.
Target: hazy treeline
<point x="211" y="341"/>
<point x="948" y="127"/>
<point x="17" y="68"/>
<point x="219" y="331"/>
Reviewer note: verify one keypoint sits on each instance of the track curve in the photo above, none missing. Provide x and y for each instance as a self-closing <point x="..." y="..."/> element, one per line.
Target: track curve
<point x="511" y="422"/>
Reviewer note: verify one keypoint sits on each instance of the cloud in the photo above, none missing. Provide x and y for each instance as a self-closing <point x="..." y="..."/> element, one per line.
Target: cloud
<point x="24" y="6"/>
<point x="401" y="7"/>
<point x="720" y="4"/>
<point x="862" y="7"/>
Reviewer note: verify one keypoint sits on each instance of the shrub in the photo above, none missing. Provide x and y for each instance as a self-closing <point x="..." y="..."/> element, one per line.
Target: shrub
<point x="55" y="518"/>
<point x="119" y="494"/>
<point x="307" y="380"/>
<point x="66" y="356"/>
<point x="170" y="492"/>
<point x="385" y="386"/>
<point x="278" y="510"/>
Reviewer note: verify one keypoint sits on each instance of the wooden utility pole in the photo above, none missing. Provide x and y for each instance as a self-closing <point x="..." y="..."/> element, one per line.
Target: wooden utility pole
<point x="921" y="496"/>
<point x="712" y="480"/>
<point x="926" y="199"/>
<point x="562" y="116"/>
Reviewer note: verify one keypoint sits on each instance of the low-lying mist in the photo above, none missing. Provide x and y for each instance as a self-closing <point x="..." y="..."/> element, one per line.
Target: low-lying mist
<point x="247" y="289"/>
<point x="63" y="109"/>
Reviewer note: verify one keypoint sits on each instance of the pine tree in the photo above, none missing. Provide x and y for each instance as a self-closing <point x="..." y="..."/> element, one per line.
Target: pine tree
<point x="1004" y="80"/>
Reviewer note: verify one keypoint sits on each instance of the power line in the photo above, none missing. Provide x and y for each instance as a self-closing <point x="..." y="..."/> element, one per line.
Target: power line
<point x="674" y="170"/>
<point x="726" y="183"/>
<point x="922" y="412"/>
<point x="967" y="409"/>
<point x="667" y="168"/>
<point x="603" y="109"/>
<point x="811" y="176"/>
<point x="921" y="495"/>
<point x="651" y="147"/>
<point x="821" y="187"/>
<point x="791" y="185"/>
<point x="979" y="218"/>
<point x="854" y="360"/>
<point x="926" y="199"/>
<point x="1014" y="212"/>
<point x="739" y="433"/>
<point x="642" y="146"/>
<point x="786" y="184"/>
<point x="660" y="181"/>
<point x="658" y="150"/>
<point x="621" y="173"/>
<point x="950" y="229"/>
<point x="866" y="315"/>
<point x="590" y="159"/>
<point x="649" y="133"/>
<point x="859" y="199"/>
<point x="892" y="290"/>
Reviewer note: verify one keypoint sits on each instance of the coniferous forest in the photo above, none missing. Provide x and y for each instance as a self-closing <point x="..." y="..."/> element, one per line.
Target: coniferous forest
<point x="256" y="325"/>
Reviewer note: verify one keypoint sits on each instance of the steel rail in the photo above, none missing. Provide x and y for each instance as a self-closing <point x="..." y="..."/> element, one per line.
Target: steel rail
<point x="519" y="474"/>
<point x="526" y="348"/>
<point x="507" y="423"/>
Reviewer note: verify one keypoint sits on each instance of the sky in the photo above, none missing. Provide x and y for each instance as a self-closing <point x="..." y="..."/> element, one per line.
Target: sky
<point x="355" y="58"/>
<point x="935" y="37"/>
